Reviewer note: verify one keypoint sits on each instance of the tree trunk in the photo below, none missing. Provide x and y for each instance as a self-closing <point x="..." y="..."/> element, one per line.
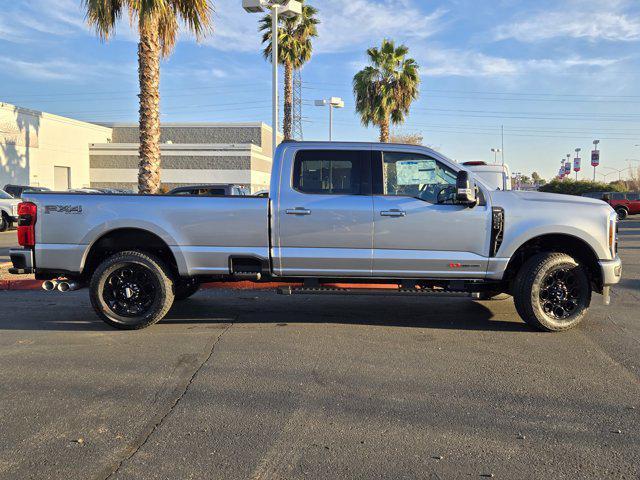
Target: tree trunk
<point x="287" y="122"/>
<point x="384" y="131"/>
<point x="149" y="76"/>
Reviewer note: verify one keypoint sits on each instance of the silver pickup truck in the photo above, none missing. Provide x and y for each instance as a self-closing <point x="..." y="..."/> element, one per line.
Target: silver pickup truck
<point x="361" y="214"/>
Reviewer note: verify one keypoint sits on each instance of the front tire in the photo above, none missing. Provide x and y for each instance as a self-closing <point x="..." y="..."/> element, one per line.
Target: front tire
<point x="552" y="292"/>
<point x="131" y="290"/>
<point x="4" y="223"/>
<point x="622" y="213"/>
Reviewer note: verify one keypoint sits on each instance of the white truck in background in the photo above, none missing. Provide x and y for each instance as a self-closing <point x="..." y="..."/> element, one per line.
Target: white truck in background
<point x="494" y="175"/>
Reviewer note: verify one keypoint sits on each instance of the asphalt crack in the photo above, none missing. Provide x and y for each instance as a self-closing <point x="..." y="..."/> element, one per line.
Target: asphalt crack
<point x="157" y="420"/>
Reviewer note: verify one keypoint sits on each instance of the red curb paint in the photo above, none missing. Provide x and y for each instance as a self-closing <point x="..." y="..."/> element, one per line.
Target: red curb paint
<point x="20" y="284"/>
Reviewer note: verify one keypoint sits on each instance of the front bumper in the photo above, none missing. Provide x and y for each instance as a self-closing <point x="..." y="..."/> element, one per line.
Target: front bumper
<point x="611" y="271"/>
<point x="22" y="260"/>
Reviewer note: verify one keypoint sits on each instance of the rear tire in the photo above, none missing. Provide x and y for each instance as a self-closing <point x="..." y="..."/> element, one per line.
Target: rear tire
<point x="552" y="292"/>
<point x="622" y="213"/>
<point x="131" y="290"/>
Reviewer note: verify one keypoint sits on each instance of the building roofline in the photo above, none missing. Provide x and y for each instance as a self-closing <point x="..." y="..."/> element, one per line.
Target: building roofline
<point x="51" y="116"/>
<point x="191" y="124"/>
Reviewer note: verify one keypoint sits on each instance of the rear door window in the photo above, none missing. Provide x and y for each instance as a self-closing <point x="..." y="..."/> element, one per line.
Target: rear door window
<point x="331" y="172"/>
<point x="617" y="196"/>
<point x="633" y="196"/>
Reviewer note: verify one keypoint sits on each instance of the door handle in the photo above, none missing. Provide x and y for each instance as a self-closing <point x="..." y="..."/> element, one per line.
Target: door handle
<point x="298" y="211"/>
<point x="393" y="213"/>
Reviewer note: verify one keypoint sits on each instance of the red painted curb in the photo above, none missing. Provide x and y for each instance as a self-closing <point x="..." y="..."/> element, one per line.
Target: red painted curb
<point x="20" y="284"/>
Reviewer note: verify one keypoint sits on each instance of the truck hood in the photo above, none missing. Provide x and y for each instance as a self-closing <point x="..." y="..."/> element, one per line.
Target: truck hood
<point x="543" y="197"/>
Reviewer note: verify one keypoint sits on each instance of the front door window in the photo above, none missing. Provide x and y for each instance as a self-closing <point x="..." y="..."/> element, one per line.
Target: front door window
<point x="418" y="176"/>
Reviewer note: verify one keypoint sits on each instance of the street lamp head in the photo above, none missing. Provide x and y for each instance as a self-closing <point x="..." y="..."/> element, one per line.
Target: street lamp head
<point x="253" y="6"/>
<point x="336" y="102"/>
<point x="286" y="8"/>
<point x="289" y="8"/>
<point x="320" y="103"/>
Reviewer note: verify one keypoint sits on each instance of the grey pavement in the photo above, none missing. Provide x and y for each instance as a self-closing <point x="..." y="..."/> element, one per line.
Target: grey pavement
<point x="237" y="385"/>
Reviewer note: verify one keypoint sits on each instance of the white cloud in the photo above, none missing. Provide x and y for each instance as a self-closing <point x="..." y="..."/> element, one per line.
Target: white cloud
<point x="451" y="62"/>
<point x="58" y="69"/>
<point x="584" y="23"/>
<point x="345" y="25"/>
<point x="362" y="23"/>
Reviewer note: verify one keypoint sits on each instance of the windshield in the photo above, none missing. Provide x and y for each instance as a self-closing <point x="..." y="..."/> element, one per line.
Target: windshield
<point x="4" y="195"/>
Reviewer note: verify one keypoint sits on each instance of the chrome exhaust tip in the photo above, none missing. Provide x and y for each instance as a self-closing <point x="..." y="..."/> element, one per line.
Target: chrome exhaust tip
<point x="68" y="286"/>
<point x="49" y="285"/>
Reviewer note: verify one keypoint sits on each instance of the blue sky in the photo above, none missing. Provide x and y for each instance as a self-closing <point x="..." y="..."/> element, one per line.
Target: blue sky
<point x="556" y="74"/>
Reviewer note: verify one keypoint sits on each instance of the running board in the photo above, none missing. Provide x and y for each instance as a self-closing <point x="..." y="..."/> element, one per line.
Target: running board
<point x="411" y="292"/>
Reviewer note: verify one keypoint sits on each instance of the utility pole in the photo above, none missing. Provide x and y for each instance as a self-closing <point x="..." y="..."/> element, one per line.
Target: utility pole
<point x="297" y="105"/>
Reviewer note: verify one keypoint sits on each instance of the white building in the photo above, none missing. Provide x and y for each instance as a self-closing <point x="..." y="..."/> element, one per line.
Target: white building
<point x="42" y="149"/>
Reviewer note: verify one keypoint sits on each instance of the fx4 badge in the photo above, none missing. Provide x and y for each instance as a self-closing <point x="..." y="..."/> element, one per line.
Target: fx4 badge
<point x="66" y="209"/>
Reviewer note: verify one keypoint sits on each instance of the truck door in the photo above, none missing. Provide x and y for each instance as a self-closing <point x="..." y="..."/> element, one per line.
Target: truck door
<point x="416" y="233"/>
<point x="325" y="215"/>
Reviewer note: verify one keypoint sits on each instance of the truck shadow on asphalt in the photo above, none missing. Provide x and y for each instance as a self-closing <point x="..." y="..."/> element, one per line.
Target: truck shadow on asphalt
<point x="72" y="312"/>
<point x="454" y="314"/>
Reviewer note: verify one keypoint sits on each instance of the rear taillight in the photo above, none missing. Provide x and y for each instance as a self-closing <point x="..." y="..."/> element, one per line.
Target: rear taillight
<point x="27" y="216"/>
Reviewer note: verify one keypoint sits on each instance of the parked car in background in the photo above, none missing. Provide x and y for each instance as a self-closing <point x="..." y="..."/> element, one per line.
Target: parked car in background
<point x="596" y="195"/>
<point x="8" y="210"/>
<point x="624" y="203"/>
<point x="496" y="176"/>
<point x="213" y="190"/>
<point x="261" y="193"/>
<point x="16" y="191"/>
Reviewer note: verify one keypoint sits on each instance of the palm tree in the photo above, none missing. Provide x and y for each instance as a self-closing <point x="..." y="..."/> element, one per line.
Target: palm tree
<point x="158" y="22"/>
<point x="385" y="89"/>
<point x="294" y="50"/>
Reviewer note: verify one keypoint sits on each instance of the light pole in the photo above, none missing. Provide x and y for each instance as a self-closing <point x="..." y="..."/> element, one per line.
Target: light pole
<point x="332" y="102"/>
<point x="615" y="170"/>
<point x="285" y="9"/>
<point x="496" y="151"/>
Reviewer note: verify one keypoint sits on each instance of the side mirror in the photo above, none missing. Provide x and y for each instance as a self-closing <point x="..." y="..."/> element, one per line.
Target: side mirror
<point x="466" y="189"/>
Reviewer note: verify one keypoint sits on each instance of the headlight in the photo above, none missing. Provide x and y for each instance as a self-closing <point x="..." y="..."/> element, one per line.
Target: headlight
<point x="613" y="234"/>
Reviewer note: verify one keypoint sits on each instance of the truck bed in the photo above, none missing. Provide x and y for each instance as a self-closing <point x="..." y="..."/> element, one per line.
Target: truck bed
<point x="202" y="232"/>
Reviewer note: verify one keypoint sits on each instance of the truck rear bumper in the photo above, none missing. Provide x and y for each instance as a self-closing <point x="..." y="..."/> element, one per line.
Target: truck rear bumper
<point x="611" y="271"/>
<point x="22" y="260"/>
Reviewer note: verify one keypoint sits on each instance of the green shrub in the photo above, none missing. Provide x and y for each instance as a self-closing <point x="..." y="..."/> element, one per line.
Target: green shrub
<point x="571" y="187"/>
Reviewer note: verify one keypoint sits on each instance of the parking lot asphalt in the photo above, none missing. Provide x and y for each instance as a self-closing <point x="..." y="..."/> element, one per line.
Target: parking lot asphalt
<point x="237" y="385"/>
